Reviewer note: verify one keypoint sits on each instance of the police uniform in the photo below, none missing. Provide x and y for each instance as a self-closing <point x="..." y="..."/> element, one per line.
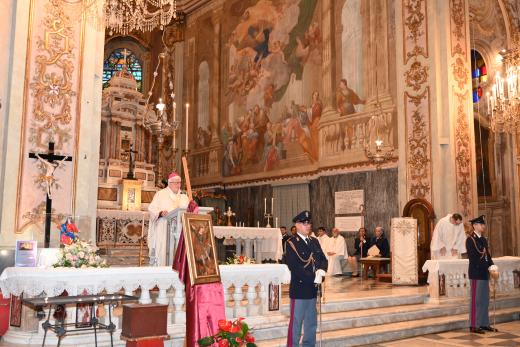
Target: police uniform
<point x="479" y="262"/>
<point x="304" y="257"/>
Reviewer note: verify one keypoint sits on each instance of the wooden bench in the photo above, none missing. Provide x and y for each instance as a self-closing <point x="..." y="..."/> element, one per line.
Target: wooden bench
<point x="376" y="263"/>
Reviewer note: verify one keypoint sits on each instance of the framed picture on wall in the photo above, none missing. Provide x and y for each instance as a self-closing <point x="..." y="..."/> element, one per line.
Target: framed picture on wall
<point x="200" y="248"/>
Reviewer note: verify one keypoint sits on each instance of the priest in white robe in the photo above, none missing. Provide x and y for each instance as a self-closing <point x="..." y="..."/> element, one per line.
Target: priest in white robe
<point x="164" y="201"/>
<point x="449" y="238"/>
<point x="336" y="253"/>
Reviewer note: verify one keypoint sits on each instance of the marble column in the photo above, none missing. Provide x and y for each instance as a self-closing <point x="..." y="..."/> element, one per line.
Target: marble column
<point x="327" y="68"/>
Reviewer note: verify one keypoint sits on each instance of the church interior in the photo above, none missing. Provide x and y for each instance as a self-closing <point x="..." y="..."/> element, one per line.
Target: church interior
<point x="261" y="109"/>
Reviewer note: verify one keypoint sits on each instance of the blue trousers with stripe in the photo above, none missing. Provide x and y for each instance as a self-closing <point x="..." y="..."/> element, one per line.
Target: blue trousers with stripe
<point x="303" y="313"/>
<point x="479" y="304"/>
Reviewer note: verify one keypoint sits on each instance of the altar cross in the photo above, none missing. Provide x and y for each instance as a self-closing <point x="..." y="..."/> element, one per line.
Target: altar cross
<point x="51" y="162"/>
<point x="131" y="164"/>
<point x="229" y="214"/>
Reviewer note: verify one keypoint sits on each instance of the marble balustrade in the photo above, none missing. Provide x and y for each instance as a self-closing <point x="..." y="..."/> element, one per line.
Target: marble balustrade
<point x="246" y="292"/>
<point x="448" y="279"/>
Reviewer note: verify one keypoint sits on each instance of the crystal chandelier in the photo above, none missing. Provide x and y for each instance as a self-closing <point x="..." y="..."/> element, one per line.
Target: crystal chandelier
<point x="124" y="16"/>
<point x="503" y="104"/>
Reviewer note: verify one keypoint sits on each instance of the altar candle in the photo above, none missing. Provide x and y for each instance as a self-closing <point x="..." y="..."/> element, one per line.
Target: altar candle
<point x="174" y="111"/>
<point x="187" y="123"/>
<point x="265" y="205"/>
<point x="276" y="222"/>
<point x="272" y="204"/>
<point x="258" y="224"/>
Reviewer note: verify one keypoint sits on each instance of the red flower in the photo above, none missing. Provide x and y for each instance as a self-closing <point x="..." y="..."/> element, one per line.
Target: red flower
<point x="250" y="338"/>
<point x="225" y="325"/>
<point x="223" y="343"/>
<point x="241" y="259"/>
<point x="235" y="329"/>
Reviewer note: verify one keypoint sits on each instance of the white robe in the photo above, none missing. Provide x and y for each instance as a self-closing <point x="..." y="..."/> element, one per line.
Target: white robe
<point x="336" y="245"/>
<point x="164" y="200"/>
<point x="448" y="236"/>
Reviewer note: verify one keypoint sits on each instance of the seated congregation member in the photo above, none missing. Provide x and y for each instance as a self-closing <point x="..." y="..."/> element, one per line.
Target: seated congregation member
<point x="335" y="250"/>
<point x="361" y="243"/>
<point x="381" y="242"/>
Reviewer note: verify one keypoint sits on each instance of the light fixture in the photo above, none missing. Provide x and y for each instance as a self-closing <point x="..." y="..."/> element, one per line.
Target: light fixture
<point x="124" y="16"/>
<point x="503" y="103"/>
<point x="379" y="116"/>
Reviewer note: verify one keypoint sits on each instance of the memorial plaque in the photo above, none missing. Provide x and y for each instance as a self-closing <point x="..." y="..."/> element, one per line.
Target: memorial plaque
<point x="349" y="202"/>
<point x="348" y="223"/>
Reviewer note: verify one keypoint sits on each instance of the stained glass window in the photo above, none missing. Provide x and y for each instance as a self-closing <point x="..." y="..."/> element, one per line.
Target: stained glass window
<point x="478" y="74"/>
<point x="115" y="62"/>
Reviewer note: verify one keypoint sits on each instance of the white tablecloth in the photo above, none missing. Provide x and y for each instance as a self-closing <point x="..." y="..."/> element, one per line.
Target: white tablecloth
<point x="268" y="241"/>
<point x="53" y="281"/>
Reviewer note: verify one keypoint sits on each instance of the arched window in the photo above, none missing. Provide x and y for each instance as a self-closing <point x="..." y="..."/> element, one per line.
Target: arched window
<point x="115" y="62"/>
<point x="478" y="74"/>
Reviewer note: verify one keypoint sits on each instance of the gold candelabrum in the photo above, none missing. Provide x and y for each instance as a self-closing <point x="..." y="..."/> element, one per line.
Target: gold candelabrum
<point x="503" y="102"/>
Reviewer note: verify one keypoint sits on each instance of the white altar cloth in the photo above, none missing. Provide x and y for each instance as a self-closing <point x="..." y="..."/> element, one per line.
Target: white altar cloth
<point x="267" y="241"/>
<point x="449" y="278"/>
<point x="53" y="281"/>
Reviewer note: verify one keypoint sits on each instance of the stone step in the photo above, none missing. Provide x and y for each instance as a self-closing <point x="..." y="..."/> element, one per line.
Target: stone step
<point x="379" y="325"/>
<point x="367" y="303"/>
<point x="384" y="315"/>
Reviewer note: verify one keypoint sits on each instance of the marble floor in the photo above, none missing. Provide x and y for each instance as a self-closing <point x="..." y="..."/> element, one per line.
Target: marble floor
<point x="508" y="335"/>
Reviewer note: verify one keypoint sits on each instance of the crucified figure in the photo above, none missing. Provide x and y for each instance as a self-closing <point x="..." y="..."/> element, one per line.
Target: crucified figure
<point x="50" y="167"/>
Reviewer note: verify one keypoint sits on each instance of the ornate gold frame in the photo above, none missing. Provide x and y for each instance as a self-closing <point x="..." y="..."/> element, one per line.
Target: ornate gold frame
<point x="191" y="224"/>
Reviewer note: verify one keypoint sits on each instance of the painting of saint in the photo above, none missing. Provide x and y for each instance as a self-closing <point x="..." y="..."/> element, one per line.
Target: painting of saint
<point x="200" y="245"/>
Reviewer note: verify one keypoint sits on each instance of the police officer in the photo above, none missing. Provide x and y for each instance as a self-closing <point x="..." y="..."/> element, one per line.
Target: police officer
<point x="307" y="263"/>
<point x="479" y="263"/>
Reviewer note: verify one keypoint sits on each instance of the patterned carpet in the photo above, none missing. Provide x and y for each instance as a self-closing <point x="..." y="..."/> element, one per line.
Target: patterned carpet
<point x="508" y="335"/>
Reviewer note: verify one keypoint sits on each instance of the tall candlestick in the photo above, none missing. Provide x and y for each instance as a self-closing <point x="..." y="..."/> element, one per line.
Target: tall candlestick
<point x="187" y="124"/>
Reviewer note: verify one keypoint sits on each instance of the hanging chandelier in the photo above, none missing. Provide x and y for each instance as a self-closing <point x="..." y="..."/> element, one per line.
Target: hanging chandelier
<point x="124" y="16"/>
<point x="503" y="104"/>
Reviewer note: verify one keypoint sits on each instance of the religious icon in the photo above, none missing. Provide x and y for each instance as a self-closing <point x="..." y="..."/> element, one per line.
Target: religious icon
<point x="200" y="245"/>
<point x="442" y="285"/>
<point x="48" y="178"/>
<point x="16" y="310"/>
<point x="274" y="297"/>
<point x="84" y="314"/>
<point x="516" y="278"/>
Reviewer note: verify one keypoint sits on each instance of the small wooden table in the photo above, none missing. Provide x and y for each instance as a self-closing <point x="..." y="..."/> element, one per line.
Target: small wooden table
<point x="375" y="262"/>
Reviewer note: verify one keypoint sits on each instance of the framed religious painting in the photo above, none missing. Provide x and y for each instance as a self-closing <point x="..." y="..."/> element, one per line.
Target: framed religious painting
<point x="16" y="311"/>
<point x="200" y="248"/>
<point x="274" y="297"/>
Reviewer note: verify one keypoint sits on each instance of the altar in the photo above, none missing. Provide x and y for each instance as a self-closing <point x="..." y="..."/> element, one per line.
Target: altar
<point x="266" y="242"/>
<point x="247" y="291"/>
<point x="448" y="279"/>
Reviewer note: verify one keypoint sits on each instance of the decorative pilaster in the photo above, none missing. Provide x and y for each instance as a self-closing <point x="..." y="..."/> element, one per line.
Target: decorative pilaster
<point x="416" y="95"/>
<point x="463" y="120"/>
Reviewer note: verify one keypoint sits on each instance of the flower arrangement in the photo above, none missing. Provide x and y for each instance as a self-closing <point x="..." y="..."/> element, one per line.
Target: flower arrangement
<point x="79" y="254"/>
<point x="239" y="260"/>
<point x="230" y="334"/>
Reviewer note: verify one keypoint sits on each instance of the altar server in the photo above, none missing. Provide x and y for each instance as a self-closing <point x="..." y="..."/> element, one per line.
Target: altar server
<point x="307" y="263"/>
<point x="448" y="239"/>
<point x="336" y="252"/>
<point x="164" y="201"/>
<point x="480" y="263"/>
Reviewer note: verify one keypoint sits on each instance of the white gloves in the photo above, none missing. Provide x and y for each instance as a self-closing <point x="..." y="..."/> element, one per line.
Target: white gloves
<point x="493" y="268"/>
<point x="319" y="276"/>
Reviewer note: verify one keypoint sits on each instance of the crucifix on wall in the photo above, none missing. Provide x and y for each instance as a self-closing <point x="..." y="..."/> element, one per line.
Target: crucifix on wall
<point x="50" y="162"/>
